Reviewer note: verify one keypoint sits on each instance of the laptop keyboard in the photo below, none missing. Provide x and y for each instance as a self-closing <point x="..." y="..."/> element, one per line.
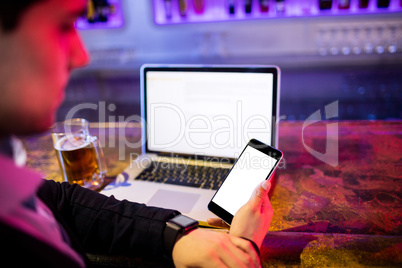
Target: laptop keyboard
<point x="186" y="175"/>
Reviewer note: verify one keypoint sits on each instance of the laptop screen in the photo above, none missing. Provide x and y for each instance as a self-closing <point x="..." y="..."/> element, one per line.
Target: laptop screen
<point x="208" y="111"/>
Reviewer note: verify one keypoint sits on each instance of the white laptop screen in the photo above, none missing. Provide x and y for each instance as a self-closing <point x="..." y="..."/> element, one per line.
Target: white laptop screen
<point x="208" y="113"/>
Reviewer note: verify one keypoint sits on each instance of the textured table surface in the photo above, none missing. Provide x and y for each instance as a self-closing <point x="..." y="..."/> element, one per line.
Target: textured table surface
<point x="336" y="196"/>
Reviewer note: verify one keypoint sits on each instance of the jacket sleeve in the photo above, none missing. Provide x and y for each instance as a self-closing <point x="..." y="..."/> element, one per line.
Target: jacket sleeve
<point x="104" y="225"/>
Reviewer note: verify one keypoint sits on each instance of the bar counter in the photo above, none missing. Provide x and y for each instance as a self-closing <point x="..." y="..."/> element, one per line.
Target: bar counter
<point x="337" y="194"/>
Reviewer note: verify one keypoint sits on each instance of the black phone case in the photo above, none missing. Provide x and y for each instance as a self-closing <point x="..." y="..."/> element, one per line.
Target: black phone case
<point x="266" y="149"/>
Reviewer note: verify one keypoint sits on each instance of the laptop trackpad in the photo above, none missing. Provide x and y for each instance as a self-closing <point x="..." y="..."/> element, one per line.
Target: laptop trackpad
<point x="180" y="201"/>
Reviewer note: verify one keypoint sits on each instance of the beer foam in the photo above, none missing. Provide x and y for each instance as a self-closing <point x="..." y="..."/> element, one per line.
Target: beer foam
<point x="70" y="143"/>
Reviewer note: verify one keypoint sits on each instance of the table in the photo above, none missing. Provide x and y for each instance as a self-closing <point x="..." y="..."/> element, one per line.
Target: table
<point x="336" y="196"/>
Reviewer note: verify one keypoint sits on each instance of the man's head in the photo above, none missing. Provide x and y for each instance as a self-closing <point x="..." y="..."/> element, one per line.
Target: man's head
<point x="11" y="12"/>
<point x="39" y="46"/>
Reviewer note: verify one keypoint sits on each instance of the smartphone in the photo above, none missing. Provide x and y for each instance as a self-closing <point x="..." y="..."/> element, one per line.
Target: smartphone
<point x="256" y="163"/>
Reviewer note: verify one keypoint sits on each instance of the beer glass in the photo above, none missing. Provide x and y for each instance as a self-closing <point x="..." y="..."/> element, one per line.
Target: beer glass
<point x="79" y="154"/>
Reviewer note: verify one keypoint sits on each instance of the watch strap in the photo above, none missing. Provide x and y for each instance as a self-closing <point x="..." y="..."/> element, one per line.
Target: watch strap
<point x="175" y="228"/>
<point x="170" y="236"/>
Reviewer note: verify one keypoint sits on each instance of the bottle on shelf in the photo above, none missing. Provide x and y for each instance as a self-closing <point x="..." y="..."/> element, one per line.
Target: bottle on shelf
<point x="264" y="5"/>
<point x="199" y="6"/>
<point x="231" y="6"/>
<point x="168" y="9"/>
<point x="363" y="3"/>
<point x="183" y="6"/>
<point x="382" y="3"/>
<point x="343" y="4"/>
<point x="248" y="6"/>
<point x="325" y="4"/>
<point x="280" y="6"/>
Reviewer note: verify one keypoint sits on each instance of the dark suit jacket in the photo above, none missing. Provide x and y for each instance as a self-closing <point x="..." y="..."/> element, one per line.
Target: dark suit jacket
<point x="95" y="224"/>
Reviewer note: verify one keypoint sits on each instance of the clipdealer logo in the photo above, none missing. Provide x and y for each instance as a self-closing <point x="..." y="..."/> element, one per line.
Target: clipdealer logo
<point x="331" y="155"/>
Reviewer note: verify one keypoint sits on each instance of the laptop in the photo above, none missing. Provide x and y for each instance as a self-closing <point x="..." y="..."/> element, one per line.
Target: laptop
<point x="196" y="121"/>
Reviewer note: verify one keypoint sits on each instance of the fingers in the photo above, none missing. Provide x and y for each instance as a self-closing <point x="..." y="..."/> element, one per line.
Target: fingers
<point x="205" y="248"/>
<point x="239" y="255"/>
<point x="242" y="253"/>
<point x="228" y="254"/>
<point x="217" y="223"/>
<point x="246" y="246"/>
<point x="266" y="185"/>
<point x="261" y="192"/>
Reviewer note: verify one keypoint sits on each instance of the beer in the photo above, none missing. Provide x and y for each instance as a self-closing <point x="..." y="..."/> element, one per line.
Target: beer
<point x="78" y="161"/>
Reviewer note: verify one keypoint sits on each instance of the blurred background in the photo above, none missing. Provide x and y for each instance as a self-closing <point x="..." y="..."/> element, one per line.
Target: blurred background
<point x="342" y="50"/>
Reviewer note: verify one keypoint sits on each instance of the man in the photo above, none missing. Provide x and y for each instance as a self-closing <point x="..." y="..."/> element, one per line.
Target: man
<point x="50" y="224"/>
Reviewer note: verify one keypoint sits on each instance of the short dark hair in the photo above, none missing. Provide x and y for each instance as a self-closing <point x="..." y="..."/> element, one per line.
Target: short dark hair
<point x="11" y="12"/>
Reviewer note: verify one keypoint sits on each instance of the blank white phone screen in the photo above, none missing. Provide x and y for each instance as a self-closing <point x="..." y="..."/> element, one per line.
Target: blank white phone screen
<point x="250" y="169"/>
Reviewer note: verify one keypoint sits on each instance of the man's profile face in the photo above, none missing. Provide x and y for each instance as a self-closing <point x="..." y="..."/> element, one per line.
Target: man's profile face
<point x="36" y="60"/>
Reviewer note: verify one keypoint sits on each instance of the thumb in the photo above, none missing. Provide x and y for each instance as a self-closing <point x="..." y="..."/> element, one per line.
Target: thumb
<point x="266" y="185"/>
<point x="261" y="192"/>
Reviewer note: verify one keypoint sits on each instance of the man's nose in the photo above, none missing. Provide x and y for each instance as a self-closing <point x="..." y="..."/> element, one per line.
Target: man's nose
<point x="79" y="56"/>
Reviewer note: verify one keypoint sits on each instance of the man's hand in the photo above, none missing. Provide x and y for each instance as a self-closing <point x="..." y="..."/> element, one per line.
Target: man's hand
<point x="254" y="218"/>
<point x="205" y="248"/>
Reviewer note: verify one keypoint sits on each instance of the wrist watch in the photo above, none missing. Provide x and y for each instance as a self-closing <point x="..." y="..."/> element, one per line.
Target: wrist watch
<point x="175" y="229"/>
